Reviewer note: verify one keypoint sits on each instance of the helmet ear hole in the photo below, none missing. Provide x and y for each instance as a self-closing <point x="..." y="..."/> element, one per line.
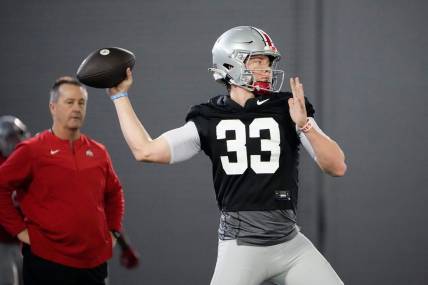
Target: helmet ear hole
<point x="228" y="66"/>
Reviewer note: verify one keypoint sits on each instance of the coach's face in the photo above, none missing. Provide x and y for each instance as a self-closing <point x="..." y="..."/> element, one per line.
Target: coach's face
<point x="70" y="109"/>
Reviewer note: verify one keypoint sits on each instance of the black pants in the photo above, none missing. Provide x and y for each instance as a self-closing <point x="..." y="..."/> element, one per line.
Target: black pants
<point x="39" y="271"/>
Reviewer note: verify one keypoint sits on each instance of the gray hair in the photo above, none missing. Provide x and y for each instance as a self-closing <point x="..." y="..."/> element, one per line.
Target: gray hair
<point x="54" y="92"/>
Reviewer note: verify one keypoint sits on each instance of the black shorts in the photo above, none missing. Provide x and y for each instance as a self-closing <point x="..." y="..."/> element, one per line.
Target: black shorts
<point x="39" y="271"/>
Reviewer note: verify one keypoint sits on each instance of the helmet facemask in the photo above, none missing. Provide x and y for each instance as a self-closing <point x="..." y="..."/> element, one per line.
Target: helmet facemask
<point x="272" y="83"/>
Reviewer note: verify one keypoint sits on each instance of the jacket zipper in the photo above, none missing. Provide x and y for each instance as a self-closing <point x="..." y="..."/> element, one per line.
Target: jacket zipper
<point x="73" y="152"/>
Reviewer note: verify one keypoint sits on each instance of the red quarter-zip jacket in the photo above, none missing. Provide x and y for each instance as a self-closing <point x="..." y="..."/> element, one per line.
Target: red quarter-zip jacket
<point x="71" y="198"/>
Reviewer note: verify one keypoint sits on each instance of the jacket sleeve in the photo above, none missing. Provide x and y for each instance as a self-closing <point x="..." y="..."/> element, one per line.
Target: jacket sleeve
<point x="15" y="173"/>
<point x="113" y="199"/>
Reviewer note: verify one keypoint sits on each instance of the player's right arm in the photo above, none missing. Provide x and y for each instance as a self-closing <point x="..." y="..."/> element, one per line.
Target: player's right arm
<point x="173" y="146"/>
<point x="142" y="146"/>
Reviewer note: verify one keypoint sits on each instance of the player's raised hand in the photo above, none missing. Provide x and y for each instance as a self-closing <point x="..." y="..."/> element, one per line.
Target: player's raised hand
<point x="122" y="86"/>
<point x="297" y="103"/>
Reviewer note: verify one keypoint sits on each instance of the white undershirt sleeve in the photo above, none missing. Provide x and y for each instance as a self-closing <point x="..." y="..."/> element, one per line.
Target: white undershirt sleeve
<point x="183" y="142"/>
<point x="304" y="140"/>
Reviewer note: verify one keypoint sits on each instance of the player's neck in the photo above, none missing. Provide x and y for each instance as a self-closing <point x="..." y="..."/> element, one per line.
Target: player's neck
<point x="240" y="95"/>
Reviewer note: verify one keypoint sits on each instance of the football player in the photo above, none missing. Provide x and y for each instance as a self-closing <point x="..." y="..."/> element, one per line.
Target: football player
<point x="252" y="136"/>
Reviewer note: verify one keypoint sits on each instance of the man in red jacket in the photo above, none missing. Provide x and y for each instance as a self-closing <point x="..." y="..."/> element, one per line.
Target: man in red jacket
<point x="71" y="198"/>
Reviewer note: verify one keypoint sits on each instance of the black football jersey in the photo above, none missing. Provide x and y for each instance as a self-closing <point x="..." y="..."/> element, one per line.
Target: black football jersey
<point x="253" y="149"/>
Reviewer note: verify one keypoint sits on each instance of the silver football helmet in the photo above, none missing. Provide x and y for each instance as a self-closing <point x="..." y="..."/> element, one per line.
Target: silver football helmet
<point x="234" y="47"/>
<point x="12" y="132"/>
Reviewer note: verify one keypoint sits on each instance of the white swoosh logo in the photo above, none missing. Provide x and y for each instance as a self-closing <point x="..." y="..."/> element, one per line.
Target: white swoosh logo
<point x="54" y="151"/>
<point x="261" y="102"/>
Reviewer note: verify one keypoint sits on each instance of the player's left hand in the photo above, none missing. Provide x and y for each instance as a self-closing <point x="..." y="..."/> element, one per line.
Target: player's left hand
<point x="297" y="103"/>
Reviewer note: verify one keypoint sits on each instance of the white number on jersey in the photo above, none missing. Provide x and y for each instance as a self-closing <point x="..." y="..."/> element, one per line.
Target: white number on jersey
<point x="238" y="145"/>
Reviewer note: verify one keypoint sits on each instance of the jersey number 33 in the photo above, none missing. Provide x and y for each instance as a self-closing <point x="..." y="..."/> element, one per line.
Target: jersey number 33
<point x="238" y="145"/>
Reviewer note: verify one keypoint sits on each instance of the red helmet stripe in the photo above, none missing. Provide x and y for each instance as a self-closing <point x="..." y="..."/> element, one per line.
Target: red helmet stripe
<point x="267" y="39"/>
